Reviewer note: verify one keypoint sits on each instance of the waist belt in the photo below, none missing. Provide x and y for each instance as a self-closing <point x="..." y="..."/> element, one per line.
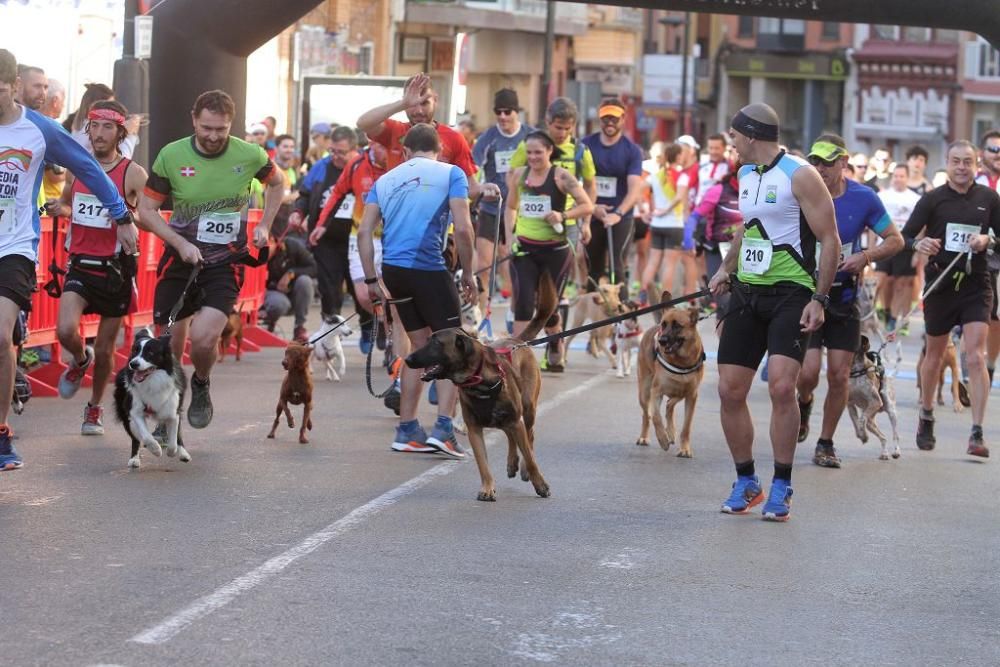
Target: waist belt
<point x="91" y="262"/>
<point x="775" y="290"/>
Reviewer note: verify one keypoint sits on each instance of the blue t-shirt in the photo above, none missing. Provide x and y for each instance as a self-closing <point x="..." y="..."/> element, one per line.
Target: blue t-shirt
<point x="492" y="152"/>
<point x="414" y="200"/>
<point x="857" y="209"/>
<point x="614" y="165"/>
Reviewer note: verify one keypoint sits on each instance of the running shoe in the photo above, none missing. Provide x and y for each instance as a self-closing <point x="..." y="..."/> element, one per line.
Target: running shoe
<point x="779" y="502"/>
<point x="9" y="458"/>
<point x="805" y="410"/>
<point x="93" y="420"/>
<point x="977" y="446"/>
<point x="200" y="411"/>
<point x="925" y="433"/>
<point x="825" y="456"/>
<point x="413" y="441"/>
<point x="432" y="393"/>
<point x="365" y="344"/>
<point x="444" y="441"/>
<point x="72" y="377"/>
<point x="746" y="494"/>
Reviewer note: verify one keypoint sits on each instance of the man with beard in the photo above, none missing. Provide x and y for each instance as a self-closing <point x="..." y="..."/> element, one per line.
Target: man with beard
<point x="34" y="87"/>
<point x="100" y="277"/>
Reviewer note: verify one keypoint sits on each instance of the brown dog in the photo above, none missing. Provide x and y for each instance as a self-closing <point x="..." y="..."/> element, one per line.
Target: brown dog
<point x="594" y="306"/>
<point x="233" y="331"/>
<point x="671" y="364"/>
<point x="498" y="388"/>
<point x="959" y="392"/>
<point x="296" y="389"/>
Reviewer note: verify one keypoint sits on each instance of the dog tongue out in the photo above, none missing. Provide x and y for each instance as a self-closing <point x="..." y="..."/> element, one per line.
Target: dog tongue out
<point x="139" y="376"/>
<point x="431" y="373"/>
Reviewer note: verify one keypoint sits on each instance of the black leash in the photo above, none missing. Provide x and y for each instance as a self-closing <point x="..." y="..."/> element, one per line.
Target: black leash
<point x="332" y="329"/>
<point x="172" y="317"/>
<point x="386" y="321"/>
<point x="612" y="320"/>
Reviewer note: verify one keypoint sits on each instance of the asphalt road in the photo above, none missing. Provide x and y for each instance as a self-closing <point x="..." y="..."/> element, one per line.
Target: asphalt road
<point x="340" y="552"/>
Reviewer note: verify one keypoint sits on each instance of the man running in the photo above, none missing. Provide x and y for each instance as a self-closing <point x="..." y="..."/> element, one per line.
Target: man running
<point x="896" y="273"/>
<point x="619" y="187"/>
<point x="207" y="176"/>
<point x="775" y="302"/>
<point x="715" y="169"/>
<point x="858" y="209"/>
<point x="28" y="139"/>
<point x="413" y="201"/>
<point x="956" y="219"/>
<point x="101" y="277"/>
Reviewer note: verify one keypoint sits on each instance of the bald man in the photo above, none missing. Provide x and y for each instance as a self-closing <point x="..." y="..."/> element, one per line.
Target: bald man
<point x="776" y="302"/>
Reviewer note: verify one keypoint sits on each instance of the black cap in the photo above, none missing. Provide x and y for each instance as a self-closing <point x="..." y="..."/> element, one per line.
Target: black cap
<point x="506" y="99"/>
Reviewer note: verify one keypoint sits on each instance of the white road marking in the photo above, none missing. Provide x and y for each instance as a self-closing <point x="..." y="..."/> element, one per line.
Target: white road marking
<point x="221" y="597"/>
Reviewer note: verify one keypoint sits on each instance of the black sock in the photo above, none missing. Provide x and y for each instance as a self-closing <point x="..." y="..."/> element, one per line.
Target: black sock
<point x="804" y="403"/>
<point x="745" y="469"/>
<point x="825" y="443"/>
<point x="927" y="415"/>
<point x="197" y="380"/>
<point x="977" y="431"/>
<point x="783" y="471"/>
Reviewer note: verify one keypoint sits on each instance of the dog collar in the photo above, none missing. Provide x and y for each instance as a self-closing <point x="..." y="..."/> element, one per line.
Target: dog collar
<point x="476" y="380"/>
<point x="631" y="334"/>
<point x="677" y="370"/>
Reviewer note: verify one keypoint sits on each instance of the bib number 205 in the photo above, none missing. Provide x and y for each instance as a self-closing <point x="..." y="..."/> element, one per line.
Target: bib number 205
<point x="219" y="227"/>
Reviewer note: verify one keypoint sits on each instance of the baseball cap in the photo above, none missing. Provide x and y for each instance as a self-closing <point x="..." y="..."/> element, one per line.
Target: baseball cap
<point x="320" y="128"/>
<point x="688" y="140"/>
<point x="257" y="128"/>
<point x="827" y="151"/>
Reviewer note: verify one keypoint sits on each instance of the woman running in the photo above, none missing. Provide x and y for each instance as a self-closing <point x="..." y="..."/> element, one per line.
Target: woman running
<point x="536" y="219"/>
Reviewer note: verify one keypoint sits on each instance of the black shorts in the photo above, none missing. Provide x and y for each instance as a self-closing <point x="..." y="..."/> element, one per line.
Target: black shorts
<point x="666" y="238"/>
<point x="217" y="286"/>
<point x="899" y="265"/>
<point x="433" y="297"/>
<point x="640" y="230"/>
<point x="527" y="269"/>
<point x="946" y="307"/>
<point x="17" y="280"/>
<point x="763" y="319"/>
<point x="837" y="333"/>
<point x="108" y="292"/>
<point x="486" y="227"/>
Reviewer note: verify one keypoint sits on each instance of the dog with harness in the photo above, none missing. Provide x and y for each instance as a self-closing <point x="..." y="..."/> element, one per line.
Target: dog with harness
<point x="871" y="392"/>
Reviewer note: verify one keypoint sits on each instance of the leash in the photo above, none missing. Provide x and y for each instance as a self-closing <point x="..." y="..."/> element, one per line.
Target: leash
<point x="172" y="317"/>
<point x="612" y="320"/>
<point x="930" y="288"/>
<point x="386" y="320"/>
<point x="611" y="253"/>
<point x="332" y="329"/>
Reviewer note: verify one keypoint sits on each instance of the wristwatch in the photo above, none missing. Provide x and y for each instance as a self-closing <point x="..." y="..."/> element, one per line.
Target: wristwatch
<point x="371" y="281"/>
<point x="824" y="300"/>
<point x="125" y="219"/>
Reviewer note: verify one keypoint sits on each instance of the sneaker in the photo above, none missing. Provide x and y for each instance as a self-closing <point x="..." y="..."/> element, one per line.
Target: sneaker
<point x="746" y="494"/>
<point x="543" y="365"/>
<point x="825" y="456"/>
<point x="72" y="377"/>
<point x="444" y="442"/>
<point x="925" y="433"/>
<point x="432" y="393"/>
<point x="805" y="410"/>
<point x="200" y="410"/>
<point x="413" y="442"/>
<point x="93" y="420"/>
<point x="779" y="502"/>
<point x="365" y="344"/>
<point x="556" y="367"/>
<point x="977" y="446"/>
<point x="300" y="335"/>
<point x="393" y="398"/>
<point x="9" y="458"/>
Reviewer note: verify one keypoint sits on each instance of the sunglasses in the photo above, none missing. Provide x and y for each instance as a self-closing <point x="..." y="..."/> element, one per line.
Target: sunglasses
<point x="610" y="120"/>
<point x="817" y="161"/>
<point x="993" y="149"/>
<point x="504" y="112"/>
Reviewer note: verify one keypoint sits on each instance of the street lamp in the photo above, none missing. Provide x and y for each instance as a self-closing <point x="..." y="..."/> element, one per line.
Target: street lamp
<point x="686" y="22"/>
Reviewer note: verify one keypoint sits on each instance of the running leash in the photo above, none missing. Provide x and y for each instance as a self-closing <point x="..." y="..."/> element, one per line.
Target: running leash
<point x="386" y="321"/>
<point x="930" y="288"/>
<point x="332" y="329"/>
<point x="172" y="317"/>
<point x="611" y="253"/>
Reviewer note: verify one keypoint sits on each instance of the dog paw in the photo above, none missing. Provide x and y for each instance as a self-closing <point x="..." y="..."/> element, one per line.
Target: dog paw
<point x="524" y="473"/>
<point x="864" y="439"/>
<point x="620" y="373"/>
<point x="684" y="454"/>
<point x="271" y="435"/>
<point x="183" y="455"/>
<point x="153" y="446"/>
<point x="883" y="457"/>
<point x="959" y="408"/>
<point x="665" y="444"/>
<point x="303" y="440"/>
<point x="543" y="490"/>
<point x="642" y="442"/>
<point x="487" y="496"/>
<point x="895" y="454"/>
<point x="512" y="470"/>
<point x="134" y="462"/>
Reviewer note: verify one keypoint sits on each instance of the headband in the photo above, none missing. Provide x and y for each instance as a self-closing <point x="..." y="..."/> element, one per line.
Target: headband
<point x="754" y="129"/>
<point x="106" y="114"/>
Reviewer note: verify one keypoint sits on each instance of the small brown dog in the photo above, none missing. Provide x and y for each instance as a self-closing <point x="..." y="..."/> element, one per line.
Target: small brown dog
<point x="233" y="331"/>
<point x="596" y="306"/>
<point x="296" y="389"/>
<point x="959" y="392"/>
<point x="671" y="364"/>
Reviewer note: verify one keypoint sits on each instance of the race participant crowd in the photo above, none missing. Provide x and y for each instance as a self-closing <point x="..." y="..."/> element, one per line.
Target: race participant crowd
<point x="418" y="222"/>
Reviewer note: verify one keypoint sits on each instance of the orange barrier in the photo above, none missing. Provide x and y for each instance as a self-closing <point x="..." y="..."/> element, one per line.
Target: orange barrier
<point x="44" y="316"/>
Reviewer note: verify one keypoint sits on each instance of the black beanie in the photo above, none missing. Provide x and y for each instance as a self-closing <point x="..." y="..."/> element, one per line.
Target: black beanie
<point x="506" y="99"/>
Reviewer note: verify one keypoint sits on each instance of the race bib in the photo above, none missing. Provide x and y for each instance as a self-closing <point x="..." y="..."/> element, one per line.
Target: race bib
<point x="501" y="161"/>
<point x="219" y="227"/>
<point x="90" y="212"/>
<point x="755" y="256"/>
<point x="352" y="245"/>
<point x="845" y="252"/>
<point x="6" y="215"/>
<point x="957" y="237"/>
<point x="535" y="206"/>
<point x="346" y="209"/>
<point x="607" y="186"/>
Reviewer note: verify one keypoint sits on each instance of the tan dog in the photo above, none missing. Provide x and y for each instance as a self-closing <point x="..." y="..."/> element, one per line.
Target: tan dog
<point x="627" y="338"/>
<point x="596" y="306"/>
<point x="233" y="331"/>
<point x="498" y="388"/>
<point x="296" y="389"/>
<point x="959" y="392"/>
<point x="671" y="364"/>
<point x="870" y="392"/>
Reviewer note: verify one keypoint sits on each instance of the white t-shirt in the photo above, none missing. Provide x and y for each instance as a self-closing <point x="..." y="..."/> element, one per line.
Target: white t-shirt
<point x="709" y="174"/>
<point x="899" y="205"/>
<point x="662" y="198"/>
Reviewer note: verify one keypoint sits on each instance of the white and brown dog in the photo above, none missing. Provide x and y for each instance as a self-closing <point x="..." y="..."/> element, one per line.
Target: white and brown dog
<point x="627" y="338"/>
<point x="329" y="348"/>
<point x="870" y="392"/>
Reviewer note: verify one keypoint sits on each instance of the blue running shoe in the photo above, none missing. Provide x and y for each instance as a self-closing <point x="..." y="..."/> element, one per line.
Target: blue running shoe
<point x="365" y="344"/>
<point x="779" y="502"/>
<point x="9" y="458"/>
<point x="763" y="370"/>
<point x="432" y="393"/>
<point x="412" y="440"/>
<point x="444" y="441"/>
<point x="747" y="493"/>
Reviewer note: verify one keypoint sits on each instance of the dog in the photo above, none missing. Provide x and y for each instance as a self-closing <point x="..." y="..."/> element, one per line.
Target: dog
<point x="296" y="389"/>
<point x="871" y="325"/>
<point x="498" y="388"/>
<point x="671" y="365"/>
<point x="627" y="335"/>
<point x="598" y="305"/>
<point x="152" y="385"/>
<point x="959" y="392"/>
<point x="330" y="349"/>
<point x="870" y="392"/>
<point x="233" y="331"/>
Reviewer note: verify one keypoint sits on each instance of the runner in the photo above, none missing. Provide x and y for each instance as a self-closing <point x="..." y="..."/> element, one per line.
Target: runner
<point x="619" y="187"/>
<point x="776" y="302"/>
<point x="207" y="176"/>
<point x="916" y="160"/>
<point x="28" y="140"/>
<point x="100" y="277"/>
<point x="956" y="218"/>
<point x="896" y="273"/>
<point x="858" y="209"/>
<point x="413" y="202"/>
<point x="670" y="186"/>
<point x="715" y="169"/>
<point x="536" y="218"/>
<point x="990" y="177"/>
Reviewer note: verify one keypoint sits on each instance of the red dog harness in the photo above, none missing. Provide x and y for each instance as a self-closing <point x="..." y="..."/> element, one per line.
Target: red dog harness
<point x="476" y="379"/>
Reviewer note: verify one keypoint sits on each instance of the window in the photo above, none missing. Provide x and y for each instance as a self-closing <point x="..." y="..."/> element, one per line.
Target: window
<point x="916" y="34"/>
<point x="889" y="32"/>
<point x="989" y="61"/>
<point x="745" y="27"/>
<point x="772" y="26"/>
<point x="830" y="30"/>
<point x="947" y="36"/>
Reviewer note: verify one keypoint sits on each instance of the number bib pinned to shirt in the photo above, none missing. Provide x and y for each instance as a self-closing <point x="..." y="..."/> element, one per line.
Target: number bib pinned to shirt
<point x="535" y="206"/>
<point x="90" y="212"/>
<point x="755" y="256"/>
<point x="346" y="209"/>
<point x="957" y="237"/>
<point x="607" y="187"/>
<point x="219" y="227"/>
<point x="7" y="208"/>
<point x="501" y="161"/>
<point x="845" y="252"/>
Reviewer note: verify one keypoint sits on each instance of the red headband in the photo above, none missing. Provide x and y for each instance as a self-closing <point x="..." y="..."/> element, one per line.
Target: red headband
<point x="106" y="114"/>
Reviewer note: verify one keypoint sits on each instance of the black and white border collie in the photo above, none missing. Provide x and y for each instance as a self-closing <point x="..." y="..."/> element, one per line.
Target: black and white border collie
<point x="152" y="385"/>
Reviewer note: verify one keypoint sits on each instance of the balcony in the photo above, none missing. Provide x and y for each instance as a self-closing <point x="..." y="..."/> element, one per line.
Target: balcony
<point x="507" y="15"/>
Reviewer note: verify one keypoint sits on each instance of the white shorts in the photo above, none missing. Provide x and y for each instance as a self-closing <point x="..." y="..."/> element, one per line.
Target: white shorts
<point x="354" y="259"/>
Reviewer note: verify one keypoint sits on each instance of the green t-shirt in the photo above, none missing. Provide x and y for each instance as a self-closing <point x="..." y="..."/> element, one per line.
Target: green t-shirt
<point x="566" y="160"/>
<point x="210" y="193"/>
